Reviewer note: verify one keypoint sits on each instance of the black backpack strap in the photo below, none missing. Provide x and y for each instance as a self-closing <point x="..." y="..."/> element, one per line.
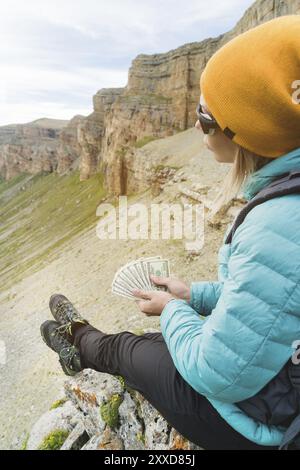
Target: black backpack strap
<point x="291" y="435"/>
<point x="294" y="375"/>
<point x="289" y="183"/>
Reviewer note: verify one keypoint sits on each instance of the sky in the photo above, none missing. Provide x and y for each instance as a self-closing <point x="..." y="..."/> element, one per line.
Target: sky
<point x="56" y="54"/>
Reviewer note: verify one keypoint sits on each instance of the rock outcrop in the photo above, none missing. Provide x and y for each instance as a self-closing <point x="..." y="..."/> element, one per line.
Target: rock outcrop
<point x="102" y="413"/>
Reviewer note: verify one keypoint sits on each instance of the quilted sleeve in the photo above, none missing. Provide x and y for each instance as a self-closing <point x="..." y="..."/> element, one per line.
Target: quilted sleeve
<point x="248" y="337"/>
<point x="205" y="295"/>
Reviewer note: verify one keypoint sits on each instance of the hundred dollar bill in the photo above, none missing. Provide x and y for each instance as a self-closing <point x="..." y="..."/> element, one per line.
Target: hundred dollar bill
<point x="159" y="267"/>
<point x="136" y="275"/>
<point x="122" y="293"/>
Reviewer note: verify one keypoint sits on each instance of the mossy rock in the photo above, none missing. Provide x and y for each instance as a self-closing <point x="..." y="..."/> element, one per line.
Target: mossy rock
<point x="126" y="387"/>
<point x="122" y="381"/>
<point x="54" y="440"/>
<point x="141" y="437"/>
<point x="110" y="411"/>
<point x="138" y="332"/>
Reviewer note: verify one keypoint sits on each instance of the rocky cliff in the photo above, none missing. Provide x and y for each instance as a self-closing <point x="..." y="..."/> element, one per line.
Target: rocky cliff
<point x="44" y="145"/>
<point x="29" y="148"/>
<point x="159" y="100"/>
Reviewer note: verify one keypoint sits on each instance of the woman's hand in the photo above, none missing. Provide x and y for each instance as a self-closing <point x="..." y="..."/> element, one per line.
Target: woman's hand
<point x="176" y="287"/>
<point x="152" y="302"/>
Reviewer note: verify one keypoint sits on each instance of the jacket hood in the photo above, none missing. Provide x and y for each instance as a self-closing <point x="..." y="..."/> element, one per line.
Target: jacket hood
<point x="266" y="174"/>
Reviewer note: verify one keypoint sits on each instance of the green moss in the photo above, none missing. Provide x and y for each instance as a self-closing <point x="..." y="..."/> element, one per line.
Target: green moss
<point x="110" y="411"/>
<point x="144" y="141"/>
<point x="54" y="440"/>
<point x="122" y="381"/>
<point x="57" y="404"/>
<point x="25" y="442"/>
<point x="126" y="387"/>
<point x="138" y="332"/>
<point x="141" y="437"/>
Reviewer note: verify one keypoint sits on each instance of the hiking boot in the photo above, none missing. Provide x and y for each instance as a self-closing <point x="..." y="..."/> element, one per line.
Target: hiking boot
<point x="68" y="354"/>
<point x="66" y="315"/>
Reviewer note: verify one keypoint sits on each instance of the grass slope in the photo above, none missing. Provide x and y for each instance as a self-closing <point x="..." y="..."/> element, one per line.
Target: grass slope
<point x="39" y="216"/>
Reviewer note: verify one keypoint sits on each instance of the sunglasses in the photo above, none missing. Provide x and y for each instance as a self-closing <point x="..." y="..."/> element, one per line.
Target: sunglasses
<point x="207" y="122"/>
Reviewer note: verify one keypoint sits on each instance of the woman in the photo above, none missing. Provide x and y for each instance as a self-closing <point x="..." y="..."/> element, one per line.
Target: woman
<point x="196" y="370"/>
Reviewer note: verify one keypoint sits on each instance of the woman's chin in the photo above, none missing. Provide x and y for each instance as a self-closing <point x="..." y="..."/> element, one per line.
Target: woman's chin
<point x="217" y="157"/>
<point x="221" y="158"/>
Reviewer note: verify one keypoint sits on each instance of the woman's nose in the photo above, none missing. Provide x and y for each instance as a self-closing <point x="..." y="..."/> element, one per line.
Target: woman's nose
<point x="198" y="125"/>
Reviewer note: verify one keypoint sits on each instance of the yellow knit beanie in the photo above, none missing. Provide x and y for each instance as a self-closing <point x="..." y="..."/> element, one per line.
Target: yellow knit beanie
<point x="252" y="87"/>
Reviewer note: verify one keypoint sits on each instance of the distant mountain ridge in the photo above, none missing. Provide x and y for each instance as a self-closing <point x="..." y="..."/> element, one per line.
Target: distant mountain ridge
<point x="44" y="145"/>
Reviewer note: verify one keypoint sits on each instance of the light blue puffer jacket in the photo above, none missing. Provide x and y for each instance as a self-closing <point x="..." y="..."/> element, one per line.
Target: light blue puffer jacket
<point x="252" y="312"/>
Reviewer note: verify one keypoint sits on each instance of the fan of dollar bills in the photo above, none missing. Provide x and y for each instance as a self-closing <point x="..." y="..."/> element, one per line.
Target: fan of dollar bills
<point x="136" y="275"/>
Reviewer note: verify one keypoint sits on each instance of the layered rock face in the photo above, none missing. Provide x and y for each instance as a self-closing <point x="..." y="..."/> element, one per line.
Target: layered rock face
<point x="159" y="100"/>
<point x="44" y="145"/>
<point x="29" y="148"/>
<point x="69" y="150"/>
<point x="91" y="130"/>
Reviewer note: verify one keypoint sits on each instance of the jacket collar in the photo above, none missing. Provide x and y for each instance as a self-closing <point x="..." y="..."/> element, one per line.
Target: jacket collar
<point x="266" y="174"/>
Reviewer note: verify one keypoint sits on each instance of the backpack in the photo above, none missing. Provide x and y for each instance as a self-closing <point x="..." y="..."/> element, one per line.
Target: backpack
<point x="278" y="403"/>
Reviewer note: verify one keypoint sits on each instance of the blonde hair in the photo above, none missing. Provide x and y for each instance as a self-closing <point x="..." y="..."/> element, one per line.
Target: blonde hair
<point x="245" y="163"/>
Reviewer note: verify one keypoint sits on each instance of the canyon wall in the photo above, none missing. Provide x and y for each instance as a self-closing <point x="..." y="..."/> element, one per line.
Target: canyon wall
<point x="45" y="145"/>
<point x="159" y="100"/>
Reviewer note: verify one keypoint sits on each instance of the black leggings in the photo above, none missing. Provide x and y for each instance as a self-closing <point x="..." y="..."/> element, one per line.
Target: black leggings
<point x="147" y="366"/>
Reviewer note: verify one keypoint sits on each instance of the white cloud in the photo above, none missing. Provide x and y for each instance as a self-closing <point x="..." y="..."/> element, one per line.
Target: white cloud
<point x="22" y="99"/>
<point x="81" y="78"/>
<point x="20" y="113"/>
<point x="62" y="51"/>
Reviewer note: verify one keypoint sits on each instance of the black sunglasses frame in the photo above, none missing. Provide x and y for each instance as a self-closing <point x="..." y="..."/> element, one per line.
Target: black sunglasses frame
<point x="206" y="123"/>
